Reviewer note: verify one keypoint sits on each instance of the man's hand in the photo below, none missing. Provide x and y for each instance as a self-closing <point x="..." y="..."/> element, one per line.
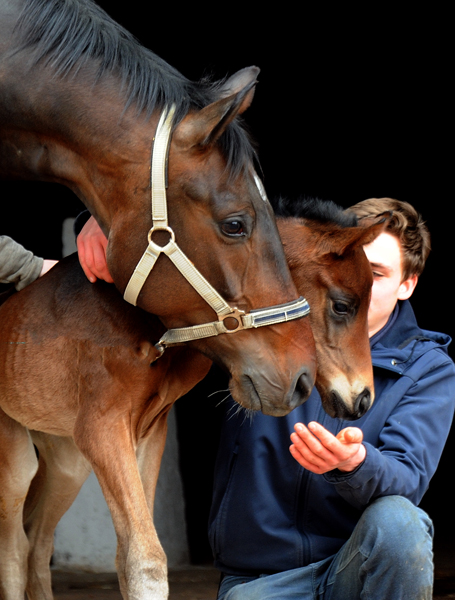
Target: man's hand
<point x="319" y="451"/>
<point x="91" y="247"/>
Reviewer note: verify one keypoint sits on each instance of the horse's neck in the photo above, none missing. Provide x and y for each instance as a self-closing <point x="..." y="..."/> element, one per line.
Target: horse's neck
<point x="64" y="132"/>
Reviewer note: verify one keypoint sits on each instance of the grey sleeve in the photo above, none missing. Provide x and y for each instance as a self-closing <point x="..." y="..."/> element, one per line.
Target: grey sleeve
<point x="18" y="265"/>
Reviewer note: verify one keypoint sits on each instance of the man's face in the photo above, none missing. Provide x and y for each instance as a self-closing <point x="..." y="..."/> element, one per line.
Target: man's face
<point x="384" y="255"/>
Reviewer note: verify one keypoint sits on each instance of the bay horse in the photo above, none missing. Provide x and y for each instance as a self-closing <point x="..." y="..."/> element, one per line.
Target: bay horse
<point x="81" y="384"/>
<point x="165" y="167"/>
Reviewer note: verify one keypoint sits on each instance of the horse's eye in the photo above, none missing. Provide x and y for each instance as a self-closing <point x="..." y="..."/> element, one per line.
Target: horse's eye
<point x="232" y="228"/>
<point x="341" y="308"/>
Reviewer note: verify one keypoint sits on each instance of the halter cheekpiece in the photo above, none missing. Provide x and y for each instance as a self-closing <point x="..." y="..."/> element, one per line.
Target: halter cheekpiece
<point x="238" y="319"/>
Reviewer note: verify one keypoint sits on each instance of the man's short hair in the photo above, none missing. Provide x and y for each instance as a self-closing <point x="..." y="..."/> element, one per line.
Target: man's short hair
<point x="406" y="224"/>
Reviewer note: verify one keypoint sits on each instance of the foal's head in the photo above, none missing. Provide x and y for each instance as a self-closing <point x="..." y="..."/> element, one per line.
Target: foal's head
<point x="324" y="249"/>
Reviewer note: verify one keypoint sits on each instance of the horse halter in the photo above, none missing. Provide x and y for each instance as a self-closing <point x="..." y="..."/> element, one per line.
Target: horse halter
<point x="238" y="319"/>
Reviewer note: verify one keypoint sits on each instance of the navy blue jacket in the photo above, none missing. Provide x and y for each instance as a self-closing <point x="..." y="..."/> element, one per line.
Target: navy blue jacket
<point x="269" y="514"/>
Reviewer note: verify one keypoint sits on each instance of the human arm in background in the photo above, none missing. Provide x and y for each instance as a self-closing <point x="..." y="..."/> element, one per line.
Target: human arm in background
<point x="20" y="266"/>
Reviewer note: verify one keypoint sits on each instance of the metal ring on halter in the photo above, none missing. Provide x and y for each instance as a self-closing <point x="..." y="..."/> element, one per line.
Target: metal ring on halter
<point x="236" y="315"/>
<point x="170" y="242"/>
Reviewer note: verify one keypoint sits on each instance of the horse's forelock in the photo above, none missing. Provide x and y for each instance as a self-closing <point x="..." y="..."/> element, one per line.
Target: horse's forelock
<point x="67" y="34"/>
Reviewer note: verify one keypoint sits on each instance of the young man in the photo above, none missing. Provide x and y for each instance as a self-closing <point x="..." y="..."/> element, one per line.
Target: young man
<point x="335" y="516"/>
<point x="18" y="265"/>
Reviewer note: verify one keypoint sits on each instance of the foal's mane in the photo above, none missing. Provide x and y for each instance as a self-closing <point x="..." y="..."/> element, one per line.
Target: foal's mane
<point x="68" y="34"/>
<point x="315" y="209"/>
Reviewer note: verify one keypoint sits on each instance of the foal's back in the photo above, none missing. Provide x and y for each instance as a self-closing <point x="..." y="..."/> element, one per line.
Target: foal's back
<point x="67" y="342"/>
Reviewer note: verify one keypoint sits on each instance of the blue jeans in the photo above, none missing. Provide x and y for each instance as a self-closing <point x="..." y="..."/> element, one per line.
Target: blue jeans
<point x="389" y="556"/>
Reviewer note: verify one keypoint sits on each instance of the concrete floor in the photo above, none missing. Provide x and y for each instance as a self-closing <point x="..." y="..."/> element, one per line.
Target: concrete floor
<point x="196" y="583"/>
<point x="201" y="583"/>
<point x="444" y="586"/>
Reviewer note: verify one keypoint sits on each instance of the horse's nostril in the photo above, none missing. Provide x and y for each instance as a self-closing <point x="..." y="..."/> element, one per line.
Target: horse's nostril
<point x="363" y="403"/>
<point x="303" y="388"/>
<point x="338" y="408"/>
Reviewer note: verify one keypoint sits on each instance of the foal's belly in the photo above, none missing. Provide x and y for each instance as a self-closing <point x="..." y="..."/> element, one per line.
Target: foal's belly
<point x="39" y="384"/>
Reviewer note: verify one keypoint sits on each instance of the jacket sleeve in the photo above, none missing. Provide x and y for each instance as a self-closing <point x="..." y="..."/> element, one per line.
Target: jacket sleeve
<point x="18" y="265"/>
<point x="412" y="438"/>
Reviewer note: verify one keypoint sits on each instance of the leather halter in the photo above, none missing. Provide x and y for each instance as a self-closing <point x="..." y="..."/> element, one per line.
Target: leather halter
<point x="238" y="319"/>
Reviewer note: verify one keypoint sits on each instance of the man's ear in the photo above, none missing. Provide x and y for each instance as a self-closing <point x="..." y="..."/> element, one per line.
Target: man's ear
<point x="407" y="287"/>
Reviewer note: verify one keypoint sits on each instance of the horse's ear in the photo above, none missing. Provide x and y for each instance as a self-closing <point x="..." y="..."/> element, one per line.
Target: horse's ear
<point x="348" y="239"/>
<point x="203" y="128"/>
<point x="372" y="227"/>
<point x="243" y="84"/>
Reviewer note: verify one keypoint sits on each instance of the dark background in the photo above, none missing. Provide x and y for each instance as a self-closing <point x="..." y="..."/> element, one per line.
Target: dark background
<point x="349" y="105"/>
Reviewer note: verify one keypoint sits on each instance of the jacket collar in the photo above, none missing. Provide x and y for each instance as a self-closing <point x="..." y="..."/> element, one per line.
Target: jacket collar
<point x="399" y="343"/>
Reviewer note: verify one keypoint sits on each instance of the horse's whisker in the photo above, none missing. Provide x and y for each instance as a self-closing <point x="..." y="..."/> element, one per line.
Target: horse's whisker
<point x="218" y="392"/>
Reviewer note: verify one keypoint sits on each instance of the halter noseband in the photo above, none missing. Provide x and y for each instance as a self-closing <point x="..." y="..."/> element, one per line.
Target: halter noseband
<point x="238" y="319"/>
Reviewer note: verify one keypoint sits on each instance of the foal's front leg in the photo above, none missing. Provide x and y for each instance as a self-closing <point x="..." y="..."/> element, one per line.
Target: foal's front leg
<point x="141" y="561"/>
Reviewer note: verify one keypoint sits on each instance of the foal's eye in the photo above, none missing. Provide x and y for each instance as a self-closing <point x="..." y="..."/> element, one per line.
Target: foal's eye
<point x="233" y="228"/>
<point x="341" y="308"/>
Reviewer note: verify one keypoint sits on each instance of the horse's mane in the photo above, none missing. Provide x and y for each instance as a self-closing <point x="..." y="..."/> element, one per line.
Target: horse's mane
<point x="68" y="34"/>
<point x="322" y="211"/>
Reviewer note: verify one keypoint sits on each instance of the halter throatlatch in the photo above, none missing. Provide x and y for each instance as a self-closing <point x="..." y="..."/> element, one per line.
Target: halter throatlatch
<point x="235" y="318"/>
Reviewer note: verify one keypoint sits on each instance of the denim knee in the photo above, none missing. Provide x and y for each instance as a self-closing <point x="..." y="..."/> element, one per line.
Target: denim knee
<point x="398" y="528"/>
<point x="389" y="555"/>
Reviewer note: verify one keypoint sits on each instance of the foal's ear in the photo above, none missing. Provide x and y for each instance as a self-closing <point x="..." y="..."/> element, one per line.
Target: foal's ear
<point x="372" y="227"/>
<point x="203" y="128"/>
<point x="347" y="239"/>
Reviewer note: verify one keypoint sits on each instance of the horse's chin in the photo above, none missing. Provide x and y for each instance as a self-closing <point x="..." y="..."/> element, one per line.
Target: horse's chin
<point x="245" y="394"/>
<point x="260" y="395"/>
